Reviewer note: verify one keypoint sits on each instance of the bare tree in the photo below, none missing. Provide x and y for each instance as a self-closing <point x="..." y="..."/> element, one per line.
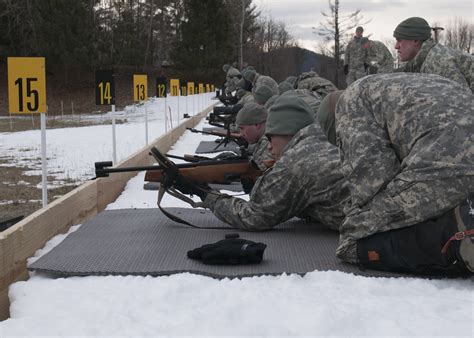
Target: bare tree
<point x="459" y="34"/>
<point x="337" y="29"/>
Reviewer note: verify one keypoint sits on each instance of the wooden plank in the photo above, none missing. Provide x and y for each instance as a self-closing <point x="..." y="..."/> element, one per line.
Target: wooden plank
<point x="23" y="239"/>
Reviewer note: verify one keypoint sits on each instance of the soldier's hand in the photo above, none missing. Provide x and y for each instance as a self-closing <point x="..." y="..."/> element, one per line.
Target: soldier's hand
<point x="346" y="69"/>
<point x="189" y="187"/>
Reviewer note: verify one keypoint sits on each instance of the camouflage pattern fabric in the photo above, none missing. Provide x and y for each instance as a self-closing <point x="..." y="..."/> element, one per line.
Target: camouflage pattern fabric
<point x="313" y="82"/>
<point x="248" y="97"/>
<point x="313" y="99"/>
<point x="259" y="153"/>
<point x="406" y="151"/>
<point x="232" y="79"/>
<point x="355" y="57"/>
<point x="434" y="58"/>
<point x="263" y="80"/>
<point x="379" y="54"/>
<point x="306" y="182"/>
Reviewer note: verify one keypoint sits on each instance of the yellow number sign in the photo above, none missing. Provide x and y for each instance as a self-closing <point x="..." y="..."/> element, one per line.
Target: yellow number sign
<point x="190" y="88"/>
<point x="26" y="85"/>
<point x="208" y="88"/>
<point x="140" y="87"/>
<point x="201" y="88"/>
<point x="213" y="88"/>
<point x="174" y="87"/>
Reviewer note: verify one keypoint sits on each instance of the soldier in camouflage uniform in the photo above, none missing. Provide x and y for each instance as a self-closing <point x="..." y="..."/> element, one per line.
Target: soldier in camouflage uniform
<point x="408" y="155"/>
<point x="251" y="120"/>
<point x="313" y="82"/>
<point x="378" y="55"/>
<point x="354" y="58"/>
<point x="305" y="181"/>
<point x="423" y="55"/>
<point x="232" y="78"/>
<point x="244" y="93"/>
<point x="258" y="80"/>
<point x="312" y="99"/>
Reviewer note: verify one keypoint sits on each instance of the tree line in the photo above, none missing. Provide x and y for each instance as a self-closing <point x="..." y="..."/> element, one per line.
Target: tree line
<point x="188" y="38"/>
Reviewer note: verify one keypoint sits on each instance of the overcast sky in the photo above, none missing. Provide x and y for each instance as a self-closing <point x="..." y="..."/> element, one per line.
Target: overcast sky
<point x="301" y="15"/>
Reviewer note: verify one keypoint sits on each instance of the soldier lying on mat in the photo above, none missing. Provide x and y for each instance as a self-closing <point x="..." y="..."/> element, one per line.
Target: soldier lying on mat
<point x="305" y="181"/>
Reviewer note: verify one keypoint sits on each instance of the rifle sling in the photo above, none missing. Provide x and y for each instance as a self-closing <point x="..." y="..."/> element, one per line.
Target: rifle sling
<point x="173" y="192"/>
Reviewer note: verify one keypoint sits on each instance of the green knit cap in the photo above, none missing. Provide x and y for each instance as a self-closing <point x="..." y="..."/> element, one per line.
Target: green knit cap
<point x="288" y="115"/>
<point x="413" y="29"/>
<point x="327" y="115"/>
<point x="251" y="113"/>
<point x="262" y="94"/>
<point x="284" y="86"/>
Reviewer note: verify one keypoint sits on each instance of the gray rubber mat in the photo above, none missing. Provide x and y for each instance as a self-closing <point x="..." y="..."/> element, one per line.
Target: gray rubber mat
<point x="210" y="147"/>
<point x="234" y="186"/>
<point x="145" y="242"/>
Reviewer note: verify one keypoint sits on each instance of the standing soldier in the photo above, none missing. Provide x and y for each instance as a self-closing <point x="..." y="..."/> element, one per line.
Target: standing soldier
<point x="354" y="58"/>
<point x="423" y="55"/>
<point x="378" y="55"/>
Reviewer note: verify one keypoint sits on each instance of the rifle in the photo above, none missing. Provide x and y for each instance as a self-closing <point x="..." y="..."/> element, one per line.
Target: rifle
<point x="228" y="100"/>
<point x="228" y="137"/>
<point x="219" y="172"/>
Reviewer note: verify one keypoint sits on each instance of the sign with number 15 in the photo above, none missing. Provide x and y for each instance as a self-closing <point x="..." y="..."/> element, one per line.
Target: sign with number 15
<point x="26" y="85"/>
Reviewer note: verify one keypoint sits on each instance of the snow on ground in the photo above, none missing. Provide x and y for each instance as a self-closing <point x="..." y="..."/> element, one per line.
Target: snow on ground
<point x="318" y="304"/>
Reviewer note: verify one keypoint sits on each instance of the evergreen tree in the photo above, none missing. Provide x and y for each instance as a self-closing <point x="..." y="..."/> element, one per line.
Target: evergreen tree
<point x="204" y="40"/>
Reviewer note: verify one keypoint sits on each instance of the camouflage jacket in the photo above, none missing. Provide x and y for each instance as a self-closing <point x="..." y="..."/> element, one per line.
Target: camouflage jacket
<point x="232" y="78"/>
<point x="248" y="97"/>
<point x="355" y="55"/>
<point x="313" y="99"/>
<point x="259" y="152"/>
<point x="263" y="80"/>
<point x="313" y="82"/>
<point x="434" y="58"/>
<point x="306" y="182"/>
<point x="396" y="133"/>
<point x="379" y="54"/>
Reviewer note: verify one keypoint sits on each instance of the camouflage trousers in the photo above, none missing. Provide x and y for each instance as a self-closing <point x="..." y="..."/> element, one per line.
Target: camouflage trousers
<point x="355" y="74"/>
<point x="399" y="206"/>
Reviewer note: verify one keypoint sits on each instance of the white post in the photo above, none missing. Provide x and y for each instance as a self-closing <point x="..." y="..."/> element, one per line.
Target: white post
<point x="146" y="126"/>
<point x="186" y="98"/>
<point x="194" y="106"/>
<point x="178" y="105"/>
<point x="113" y="135"/>
<point x="166" y="114"/>
<point x="43" y="160"/>
<point x="72" y="108"/>
<point x="11" y="122"/>
<point x="62" y="109"/>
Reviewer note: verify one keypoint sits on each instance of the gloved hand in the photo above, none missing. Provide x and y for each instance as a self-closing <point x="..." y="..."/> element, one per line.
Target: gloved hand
<point x="230" y="251"/>
<point x="346" y="69"/>
<point x="189" y="187"/>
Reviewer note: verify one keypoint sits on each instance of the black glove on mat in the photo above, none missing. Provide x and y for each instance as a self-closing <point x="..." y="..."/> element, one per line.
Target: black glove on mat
<point x="229" y="251"/>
